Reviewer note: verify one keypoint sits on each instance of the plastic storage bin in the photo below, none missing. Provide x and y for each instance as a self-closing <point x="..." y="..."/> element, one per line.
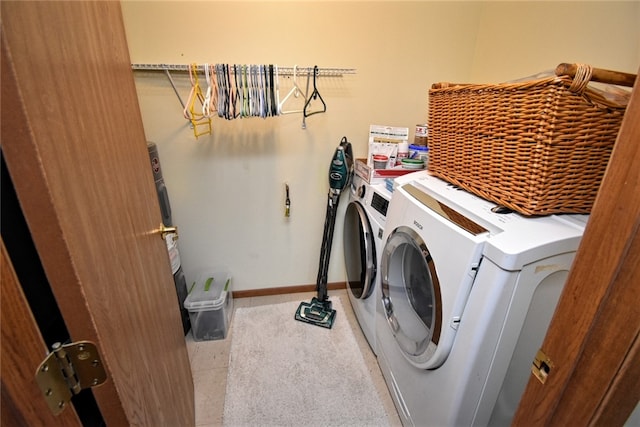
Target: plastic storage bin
<point x="210" y="306"/>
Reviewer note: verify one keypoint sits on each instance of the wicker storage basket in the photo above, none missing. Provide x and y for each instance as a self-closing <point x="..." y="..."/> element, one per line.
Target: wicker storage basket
<point x="537" y="147"/>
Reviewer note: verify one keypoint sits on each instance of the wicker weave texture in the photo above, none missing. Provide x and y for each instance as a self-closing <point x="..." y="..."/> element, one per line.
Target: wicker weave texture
<point x="535" y="147"/>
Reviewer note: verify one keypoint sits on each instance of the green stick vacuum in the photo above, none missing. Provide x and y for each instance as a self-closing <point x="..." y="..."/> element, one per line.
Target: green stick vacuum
<point x="319" y="312"/>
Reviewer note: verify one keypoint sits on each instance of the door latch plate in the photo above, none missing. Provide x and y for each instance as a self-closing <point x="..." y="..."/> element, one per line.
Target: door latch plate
<point x="541" y="367"/>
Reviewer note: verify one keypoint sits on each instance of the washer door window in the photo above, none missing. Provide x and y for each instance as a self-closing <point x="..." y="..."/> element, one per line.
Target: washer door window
<point x="359" y="251"/>
<point x="411" y="298"/>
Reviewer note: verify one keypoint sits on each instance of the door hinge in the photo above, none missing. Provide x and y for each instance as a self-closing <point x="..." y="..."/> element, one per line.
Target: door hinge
<point x="67" y="370"/>
<point x="541" y="367"/>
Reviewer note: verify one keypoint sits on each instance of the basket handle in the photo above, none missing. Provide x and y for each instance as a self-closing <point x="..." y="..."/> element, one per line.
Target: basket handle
<point x="444" y="85"/>
<point x="597" y="74"/>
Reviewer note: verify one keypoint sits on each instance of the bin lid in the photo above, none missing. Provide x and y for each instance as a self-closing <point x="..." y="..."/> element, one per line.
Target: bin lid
<point x="208" y="292"/>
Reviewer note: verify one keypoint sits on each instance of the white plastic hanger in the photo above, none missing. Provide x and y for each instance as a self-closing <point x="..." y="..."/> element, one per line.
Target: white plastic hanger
<point x="295" y="91"/>
<point x="209" y="105"/>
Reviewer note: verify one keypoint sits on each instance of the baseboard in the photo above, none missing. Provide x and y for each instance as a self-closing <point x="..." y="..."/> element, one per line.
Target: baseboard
<point x="285" y="290"/>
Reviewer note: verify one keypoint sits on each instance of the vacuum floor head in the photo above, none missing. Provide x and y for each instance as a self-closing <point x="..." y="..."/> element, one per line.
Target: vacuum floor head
<point x="316" y="312"/>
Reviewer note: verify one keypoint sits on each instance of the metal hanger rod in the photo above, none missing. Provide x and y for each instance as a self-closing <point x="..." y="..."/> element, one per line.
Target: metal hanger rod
<point x="283" y="71"/>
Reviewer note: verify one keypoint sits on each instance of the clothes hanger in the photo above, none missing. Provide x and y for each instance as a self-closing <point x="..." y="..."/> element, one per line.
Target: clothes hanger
<point x="314" y="95"/>
<point x="240" y="90"/>
<point x="245" y="92"/>
<point x="221" y="90"/>
<point x="227" y="74"/>
<point x="230" y="104"/>
<point x="304" y="116"/>
<point x="260" y="90"/>
<point x="211" y="95"/>
<point x="295" y="91"/>
<point x="263" y="91"/>
<point x="186" y="112"/>
<point x="237" y="71"/>
<point x="266" y="107"/>
<point x="272" y="94"/>
<point x="197" y="119"/>
<point x="276" y="101"/>
<point x="253" y="92"/>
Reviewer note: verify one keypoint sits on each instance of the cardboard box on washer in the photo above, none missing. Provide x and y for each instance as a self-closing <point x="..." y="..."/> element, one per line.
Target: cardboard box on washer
<point x="375" y="176"/>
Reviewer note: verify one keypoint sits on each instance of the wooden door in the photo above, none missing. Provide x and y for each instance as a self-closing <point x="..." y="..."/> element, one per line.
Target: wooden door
<point x="74" y="144"/>
<point x="594" y="336"/>
<point x="22" y="350"/>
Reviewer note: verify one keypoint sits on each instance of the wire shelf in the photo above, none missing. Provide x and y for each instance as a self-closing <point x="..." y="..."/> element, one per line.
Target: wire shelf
<point x="282" y="71"/>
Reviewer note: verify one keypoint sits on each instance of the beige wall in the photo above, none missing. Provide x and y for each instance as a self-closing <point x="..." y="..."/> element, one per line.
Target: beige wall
<point x="518" y="39"/>
<point x="227" y="189"/>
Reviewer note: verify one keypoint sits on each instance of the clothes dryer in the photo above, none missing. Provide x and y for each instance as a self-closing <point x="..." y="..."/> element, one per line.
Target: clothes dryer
<point x="466" y="297"/>
<point x="362" y="238"/>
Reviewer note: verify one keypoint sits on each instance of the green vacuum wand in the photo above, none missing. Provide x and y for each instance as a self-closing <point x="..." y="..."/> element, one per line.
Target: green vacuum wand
<point x="318" y="311"/>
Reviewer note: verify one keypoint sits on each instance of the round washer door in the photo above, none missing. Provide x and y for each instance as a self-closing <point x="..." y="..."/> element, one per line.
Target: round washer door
<point x="411" y="297"/>
<point x="359" y="251"/>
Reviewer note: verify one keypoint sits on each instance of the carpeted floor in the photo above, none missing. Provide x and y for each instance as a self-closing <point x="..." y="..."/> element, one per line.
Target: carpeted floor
<point x="285" y="372"/>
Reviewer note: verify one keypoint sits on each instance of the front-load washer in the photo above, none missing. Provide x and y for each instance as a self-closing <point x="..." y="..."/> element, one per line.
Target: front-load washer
<point x="364" y="222"/>
<point x="466" y="297"/>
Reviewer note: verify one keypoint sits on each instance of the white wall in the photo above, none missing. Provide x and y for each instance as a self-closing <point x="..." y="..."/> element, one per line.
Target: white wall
<point x="227" y="189"/>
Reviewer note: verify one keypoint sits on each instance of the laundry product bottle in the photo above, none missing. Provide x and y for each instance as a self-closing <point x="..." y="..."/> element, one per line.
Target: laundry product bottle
<point x="403" y="152"/>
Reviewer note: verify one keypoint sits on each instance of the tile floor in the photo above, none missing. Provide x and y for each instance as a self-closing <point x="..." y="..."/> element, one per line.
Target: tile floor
<point x="210" y="360"/>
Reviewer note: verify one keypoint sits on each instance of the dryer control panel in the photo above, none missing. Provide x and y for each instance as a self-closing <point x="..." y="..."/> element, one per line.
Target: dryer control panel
<point x="379" y="203"/>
